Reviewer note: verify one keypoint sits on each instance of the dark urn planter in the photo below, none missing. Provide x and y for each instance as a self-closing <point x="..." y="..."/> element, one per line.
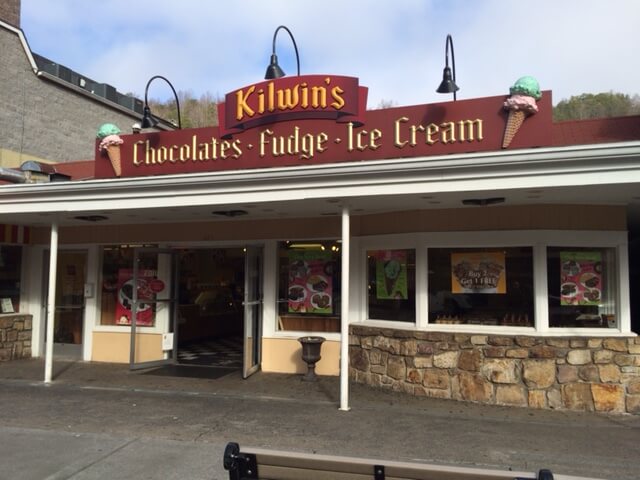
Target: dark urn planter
<point x="311" y="347"/>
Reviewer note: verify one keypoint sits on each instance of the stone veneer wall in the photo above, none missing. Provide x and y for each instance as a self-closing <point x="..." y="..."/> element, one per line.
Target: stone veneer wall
<point x="15" y="336"/>
<point x="573" y="373"/>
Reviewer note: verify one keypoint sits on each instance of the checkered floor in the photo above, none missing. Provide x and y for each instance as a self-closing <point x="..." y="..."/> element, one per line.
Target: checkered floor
<point x="220" y="352"/>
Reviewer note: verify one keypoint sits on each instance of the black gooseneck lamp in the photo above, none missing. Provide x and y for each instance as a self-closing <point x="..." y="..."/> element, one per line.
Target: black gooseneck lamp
<point x="274" y="70"/>
<point x="448" y="84"/>
<point x="148" y="120"/>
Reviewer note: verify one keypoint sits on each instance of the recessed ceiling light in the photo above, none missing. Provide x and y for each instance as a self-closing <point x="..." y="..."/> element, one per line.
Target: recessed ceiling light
<point x="230" y="213"/>
<point x="483" y="201"/>
<point x="91" y="218"/>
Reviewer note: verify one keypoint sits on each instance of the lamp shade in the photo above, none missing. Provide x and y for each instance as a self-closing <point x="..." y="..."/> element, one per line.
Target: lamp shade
<point x="274" y="70"/>
<point x="148" y="120"/>
<point x="447" y="85"/>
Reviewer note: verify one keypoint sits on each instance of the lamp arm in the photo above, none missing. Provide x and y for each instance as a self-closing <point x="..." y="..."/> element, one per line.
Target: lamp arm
<point x="146" y="92"/>
<point x="295" y="47"/>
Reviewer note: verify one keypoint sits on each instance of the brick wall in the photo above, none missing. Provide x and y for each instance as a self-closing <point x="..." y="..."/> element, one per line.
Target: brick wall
<point x="10" y="12"/>
<point x="15" y="336"/>
<point x="43" y="119"/>
<point x="572" y="373"/>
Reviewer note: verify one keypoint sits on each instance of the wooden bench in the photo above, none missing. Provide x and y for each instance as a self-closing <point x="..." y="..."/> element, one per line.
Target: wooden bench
<point x="254" y="463"/>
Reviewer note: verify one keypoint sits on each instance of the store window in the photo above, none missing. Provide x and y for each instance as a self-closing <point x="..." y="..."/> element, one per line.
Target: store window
<point x="391" y="286"/>
<point x="309" y="286"/>
<point x="582" y="287"/>
<point x="10" y="268"/>
<point x="117" y="287"/>
<point x="481" y="286"/>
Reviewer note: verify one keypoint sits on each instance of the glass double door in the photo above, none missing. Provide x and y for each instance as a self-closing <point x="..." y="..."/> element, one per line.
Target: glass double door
<point x="205" y="305"/>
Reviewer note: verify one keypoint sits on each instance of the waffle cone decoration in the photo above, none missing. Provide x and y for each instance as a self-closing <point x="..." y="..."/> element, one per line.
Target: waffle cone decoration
<point x="514" y="122"/>
<point x="520" y="105"/>
<point x="114" y="155"/>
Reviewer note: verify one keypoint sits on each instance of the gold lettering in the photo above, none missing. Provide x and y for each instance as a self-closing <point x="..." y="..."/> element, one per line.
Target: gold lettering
<point x="136" y="161"/>
<point x="338" y="101"/>
<point x="448" y="132"/>
<point x="318" y="97"/>
<point x="466" y="130"/>
<point x="242" y="107"/>
<point x="288" y="98"/>
<point x="432" y="129"/>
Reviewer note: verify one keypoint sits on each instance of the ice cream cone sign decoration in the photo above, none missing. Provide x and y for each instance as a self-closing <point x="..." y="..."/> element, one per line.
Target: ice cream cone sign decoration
<point x="110" y="142"/>
<point x="520" y="105"/>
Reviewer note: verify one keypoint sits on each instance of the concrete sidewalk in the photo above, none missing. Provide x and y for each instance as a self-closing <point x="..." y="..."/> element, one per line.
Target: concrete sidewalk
<point x="103" y="421"/>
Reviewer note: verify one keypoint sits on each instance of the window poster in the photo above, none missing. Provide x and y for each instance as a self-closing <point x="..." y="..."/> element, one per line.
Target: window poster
<point x="580" y="278"/>
<point x="310" y="282"/>
<point x="478" y="272"/>
<point x="145" y="313"/>
<point x="391" y="274"/>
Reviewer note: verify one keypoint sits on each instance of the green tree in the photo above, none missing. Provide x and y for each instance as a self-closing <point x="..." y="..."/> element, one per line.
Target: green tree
<point x="600" y="105"/>
<point x="194" y="112"/>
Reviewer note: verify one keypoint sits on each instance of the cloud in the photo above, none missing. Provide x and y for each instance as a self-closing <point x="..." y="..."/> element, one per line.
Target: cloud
<point x="395" y="48"/>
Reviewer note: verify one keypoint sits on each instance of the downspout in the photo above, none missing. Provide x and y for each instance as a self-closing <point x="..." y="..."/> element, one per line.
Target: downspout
<point x="344" y="314"/>
<point x="51" y="303"/>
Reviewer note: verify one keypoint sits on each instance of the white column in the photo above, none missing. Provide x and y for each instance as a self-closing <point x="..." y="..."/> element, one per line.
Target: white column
<point x="51" y="303"/>
<point x="344" y="314"/>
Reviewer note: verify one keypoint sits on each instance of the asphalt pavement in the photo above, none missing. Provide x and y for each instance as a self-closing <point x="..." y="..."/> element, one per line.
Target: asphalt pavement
<point x="104" y="421"/>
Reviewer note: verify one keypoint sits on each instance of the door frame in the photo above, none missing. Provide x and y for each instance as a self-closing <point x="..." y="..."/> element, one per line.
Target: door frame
<point x="171" y="301"/>
<point x="253" y="309"/>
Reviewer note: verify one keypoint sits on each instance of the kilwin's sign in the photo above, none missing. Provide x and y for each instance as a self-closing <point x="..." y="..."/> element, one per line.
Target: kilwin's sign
<point x="319" y="119"/>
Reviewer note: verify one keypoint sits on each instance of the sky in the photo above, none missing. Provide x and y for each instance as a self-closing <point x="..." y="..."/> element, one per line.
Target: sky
<point x="395" y="47"/>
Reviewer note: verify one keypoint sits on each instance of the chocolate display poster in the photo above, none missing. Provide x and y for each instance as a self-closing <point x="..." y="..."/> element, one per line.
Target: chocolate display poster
<point x="391" y="274"/>
<point x="478" y="272"/>
<point x="580" y="278"/>
<point x="145" y="313"/>
<point x="310" y="282"/>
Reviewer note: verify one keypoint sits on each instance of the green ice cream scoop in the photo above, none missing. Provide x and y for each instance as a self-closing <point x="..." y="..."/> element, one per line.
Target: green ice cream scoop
<point x="108" y="129"/>
<point x="526" y="86"/>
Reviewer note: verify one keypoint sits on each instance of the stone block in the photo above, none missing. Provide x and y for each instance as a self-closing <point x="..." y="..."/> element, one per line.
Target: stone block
<point x="6" y="322"/>
<point x="436" y="378"/>
<point x="379" y="369"/>
<point x="5" y="354"/>
<point x="479" y="339"/>
<point x="539" y="373"/>
<point x="633" y="404"/>
<point x="577" y="396"/>
<point x="609" y="373"/>
<point x="527" y="342"/>
<point x="12" y="336"/>
<point x="624" y="360"/>
<point x="542" y="351"/>
<point x="18" y="325"/>
<point x="594" y="343"/>
<point x="386" y="344"/>
<point x="578" y="343"/>
<point x="28" y="322"/>
<point x="424" y="348"/>
<point x="354" y="340"/>
<point x="366" y="342"/>
<point x="558" y="342"/>
<point x="446" y="360"/>
<point x="500" y="371"/>
<point x="375" y="357"/>
<point x="408" y="348"/>
<point x="589" y="373"/>
<point x="554" y="398"/>
<point x="514" y="395"/>
<point x="494" y="352"/>
<point x="603" y="356"/>
<point x="469" y="360"/>
<point x="359" y="359"/>
<point x="634" y="349"/>
<point x="438" y="393"/>
<point x="423" y="362"/>
<point x="567" y="374"/>
<point x="517" y="353"/>
<point x="633" y="387"/>
<point x="537" y="399"/>
<point x="608" y="397"/>
<point x="414" y="376"/>
<point x="396" y="368"/>
<point x="579" y="357"/>
<point x="437" y="336"/>
<point x="615" y="344"/>
<point x="474" y="388"/>
<point x="500" y="341"/>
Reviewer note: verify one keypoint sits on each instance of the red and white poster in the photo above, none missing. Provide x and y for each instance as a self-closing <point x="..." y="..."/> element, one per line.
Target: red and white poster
<point x="581" y="278"/>
<point x="148" y="286"/>
<point x="310" y="282"/>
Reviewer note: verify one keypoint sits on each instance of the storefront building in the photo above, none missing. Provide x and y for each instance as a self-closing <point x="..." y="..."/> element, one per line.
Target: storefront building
<point x="434" y="259"/>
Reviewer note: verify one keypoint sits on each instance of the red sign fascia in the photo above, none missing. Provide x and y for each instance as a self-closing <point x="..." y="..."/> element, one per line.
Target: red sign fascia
<point x="299" y="137"/>
<point x="330" y="97"/>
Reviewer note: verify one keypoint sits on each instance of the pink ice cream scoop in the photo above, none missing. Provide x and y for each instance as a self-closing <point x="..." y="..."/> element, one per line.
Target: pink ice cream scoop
<point x="110" y="140"/>
<point x="521" y="102"/>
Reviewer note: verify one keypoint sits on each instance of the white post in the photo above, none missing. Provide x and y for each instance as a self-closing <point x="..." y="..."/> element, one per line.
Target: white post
<point x="51" y="303"/>
<point x="344" y="314"/>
